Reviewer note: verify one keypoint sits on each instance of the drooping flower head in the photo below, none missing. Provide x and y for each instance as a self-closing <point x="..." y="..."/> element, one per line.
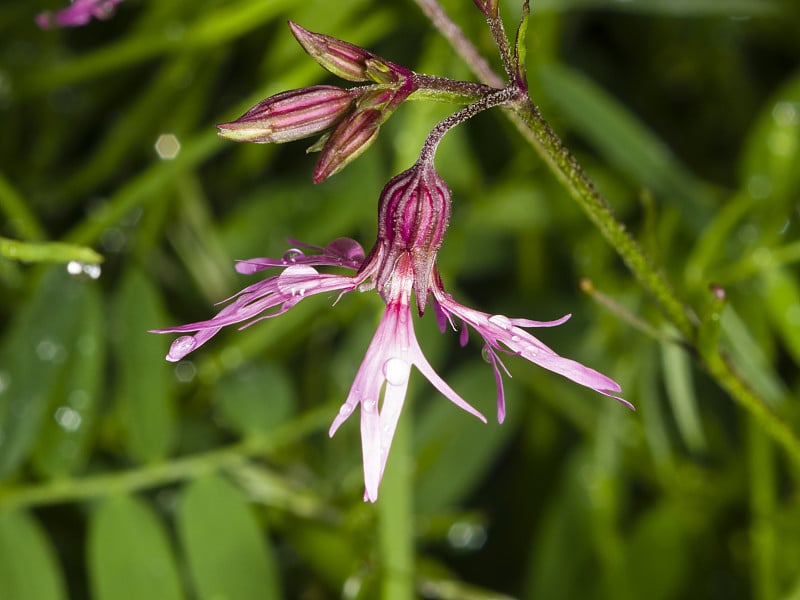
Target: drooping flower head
<point x="80" y="12"/>
<point x="414" y="211"/>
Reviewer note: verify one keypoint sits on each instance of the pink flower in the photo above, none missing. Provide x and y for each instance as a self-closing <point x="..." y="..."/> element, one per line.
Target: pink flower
<point x="414" y="212"/>
<point x="80" y="12"/>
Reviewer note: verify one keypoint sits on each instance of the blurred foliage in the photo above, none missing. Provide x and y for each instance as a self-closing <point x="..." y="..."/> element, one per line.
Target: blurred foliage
<point x="123" y="476"/>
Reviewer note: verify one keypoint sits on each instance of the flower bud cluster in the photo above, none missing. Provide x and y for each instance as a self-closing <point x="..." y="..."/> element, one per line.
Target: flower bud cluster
<point x="349" y="119"/>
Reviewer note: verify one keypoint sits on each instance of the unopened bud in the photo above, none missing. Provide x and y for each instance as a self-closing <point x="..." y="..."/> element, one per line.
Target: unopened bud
<point x="346" y="60"/>
<point x="355" y="133"/>
<point x="346" y="143"/>
<point x="290" y="115"/>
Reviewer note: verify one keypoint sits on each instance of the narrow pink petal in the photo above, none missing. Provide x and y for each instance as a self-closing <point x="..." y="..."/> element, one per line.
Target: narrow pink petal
<point x="371" y="448"/>
<point x="440" y="384"/>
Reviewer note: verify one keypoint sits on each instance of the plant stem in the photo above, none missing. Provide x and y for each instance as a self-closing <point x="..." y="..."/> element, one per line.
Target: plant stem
<point x="496" y="98"/>
<point x="156" y="475"/>
<point x="430" y="87"/>
<point x="463" y="47"/>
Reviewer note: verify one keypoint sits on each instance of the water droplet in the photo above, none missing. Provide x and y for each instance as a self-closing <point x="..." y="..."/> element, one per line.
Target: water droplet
<point x="185" y="371"/>
<point x="78" y="269"/>
<point x="486" y="354"/>
<point x="67" y="418"/>
<point x="466" y="536"/>
<point x="532" y="350"/>
<point x="167" y="146"/>
<point x="786" y="114"/>
<point x="181" y="347"/>
<point x="345" y="410"/>
<point x="50" y="351"/>
<point x="292" y="254"/>
<point x="396" y="371"/>
<point x="295" y="279"/>
<point x="369" y="405"/>
<point x="501" y="321"/>
<point x="93" y="271"/>
<point x="366" y="287"/>
<point x="515" y="338"/>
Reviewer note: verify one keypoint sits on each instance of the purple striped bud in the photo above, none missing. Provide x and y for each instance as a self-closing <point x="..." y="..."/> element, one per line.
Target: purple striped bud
<point x="290" y="115"/>
<point x="346" y="60"/>
<point x="355" y="133"/>
<point x="347" y="142"/>
<point x="413" y="215"/>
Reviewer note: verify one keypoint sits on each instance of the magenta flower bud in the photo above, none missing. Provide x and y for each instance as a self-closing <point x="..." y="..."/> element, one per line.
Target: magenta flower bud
<point x="80" y="12"/>
<point x="290" y="115"/>
<point x="347" y="142"/>
<point x="346" y="60"/>
<point x="356" y="132"/>
<point x="413" y="215"/>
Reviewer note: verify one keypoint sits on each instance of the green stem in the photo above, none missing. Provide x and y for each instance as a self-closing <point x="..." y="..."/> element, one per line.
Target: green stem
<point x="396" y="522"/>
<point x="156" y="475"/>
<point x="582" y="190"/>
<point x="47" y="252"/>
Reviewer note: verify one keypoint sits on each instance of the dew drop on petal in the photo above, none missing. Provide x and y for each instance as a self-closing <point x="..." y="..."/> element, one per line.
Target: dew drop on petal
<point x="501" y="321"/>
<point x="486" y="354"/>
<point x="181" y="347"/>
<point x="396" y="371"/>
<point x="514" y="338"/>
<point x="369" y="405"/>
<point x="345" y="410"/>
<point x="532" y="350"/>
<point x="291" y="255"/>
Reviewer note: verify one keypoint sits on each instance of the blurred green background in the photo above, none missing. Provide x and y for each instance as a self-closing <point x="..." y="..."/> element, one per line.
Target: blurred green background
<point x="126" y="477"/>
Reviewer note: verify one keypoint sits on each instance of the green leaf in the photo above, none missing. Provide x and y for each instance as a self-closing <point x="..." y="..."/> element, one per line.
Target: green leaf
<point x="64" y="442"/>
<point x="770" y="167"/>
<point x="783" y="304"/>
<point x="255" y="399"/>
<point x="145" y="380"/>
<point x="130" y="557"/>
<point x="521" y="46"/>
<point x="47" y="252"/>
<point x="29" y="569"/>
<point x="34" y="357"/>
<point x="227" y="551"/>
<point x="680" y="391"/>
<point x="454" y="449"/>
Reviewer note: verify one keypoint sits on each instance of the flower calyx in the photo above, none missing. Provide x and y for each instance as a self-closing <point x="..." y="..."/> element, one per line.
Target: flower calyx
<point x="413" y="215"/>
